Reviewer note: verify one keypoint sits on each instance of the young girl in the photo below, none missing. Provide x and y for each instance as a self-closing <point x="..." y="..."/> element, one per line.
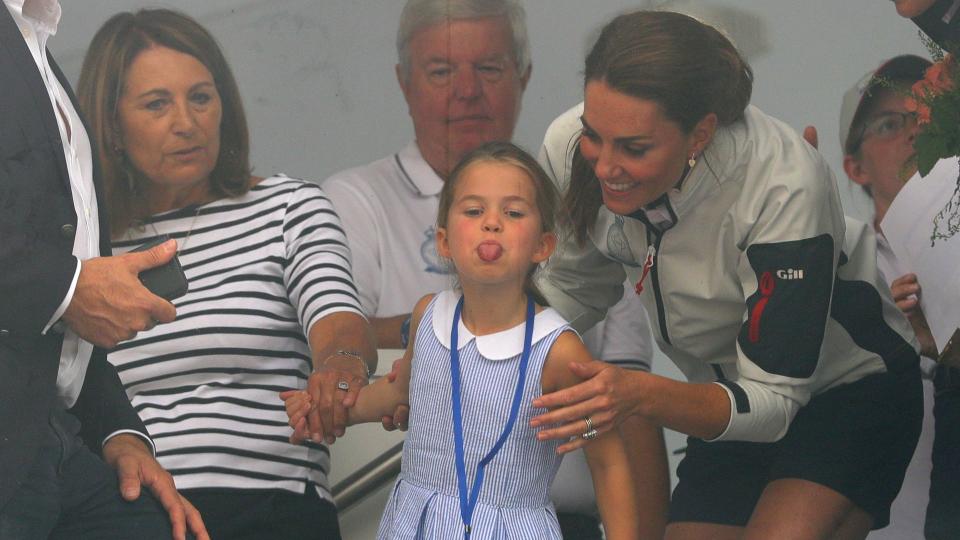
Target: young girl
<point x="472" y="466"/>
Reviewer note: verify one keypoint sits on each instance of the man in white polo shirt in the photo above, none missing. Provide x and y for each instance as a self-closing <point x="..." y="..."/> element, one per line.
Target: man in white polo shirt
<point x="461" y="93"/>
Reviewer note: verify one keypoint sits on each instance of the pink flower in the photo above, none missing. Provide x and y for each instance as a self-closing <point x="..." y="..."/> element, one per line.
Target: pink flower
<point x="917" y="102"/>
<point x="939" y="76"/>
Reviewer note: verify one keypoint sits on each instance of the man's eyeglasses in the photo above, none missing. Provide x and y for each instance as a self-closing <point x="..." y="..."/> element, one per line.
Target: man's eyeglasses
<point x="885" y="126"/>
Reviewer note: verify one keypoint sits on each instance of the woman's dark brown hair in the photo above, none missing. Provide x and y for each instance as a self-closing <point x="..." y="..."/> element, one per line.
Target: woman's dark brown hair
<point x="688" y="68"/>
<point x="102" y="79"/>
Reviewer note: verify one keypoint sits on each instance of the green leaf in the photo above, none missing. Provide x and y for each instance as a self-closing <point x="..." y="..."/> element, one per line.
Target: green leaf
<point x="930" y="148"/>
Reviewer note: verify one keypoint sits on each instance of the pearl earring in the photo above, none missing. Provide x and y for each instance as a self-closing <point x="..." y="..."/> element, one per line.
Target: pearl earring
<point x="692" y="161"/>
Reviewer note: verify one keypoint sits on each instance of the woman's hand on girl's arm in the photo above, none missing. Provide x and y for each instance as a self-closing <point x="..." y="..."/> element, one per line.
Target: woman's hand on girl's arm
<point x="611" y="394"/>
<point x="607" y="397"/>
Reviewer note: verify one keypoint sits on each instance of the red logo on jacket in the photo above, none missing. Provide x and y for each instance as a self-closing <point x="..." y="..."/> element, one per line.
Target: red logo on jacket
<point x="767" y="284"/>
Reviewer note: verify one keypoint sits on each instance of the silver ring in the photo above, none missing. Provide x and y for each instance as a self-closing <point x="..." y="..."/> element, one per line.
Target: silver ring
<point x="589" y="422"/>
<point x="592" y="434"/>
<point x="343" y="385"/>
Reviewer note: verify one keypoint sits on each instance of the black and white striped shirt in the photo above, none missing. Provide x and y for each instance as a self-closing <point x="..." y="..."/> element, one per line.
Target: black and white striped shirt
<point x="262" y="268"/>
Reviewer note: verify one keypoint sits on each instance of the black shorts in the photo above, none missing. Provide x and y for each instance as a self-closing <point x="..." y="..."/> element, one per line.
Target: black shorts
<point x="856" y="439"/>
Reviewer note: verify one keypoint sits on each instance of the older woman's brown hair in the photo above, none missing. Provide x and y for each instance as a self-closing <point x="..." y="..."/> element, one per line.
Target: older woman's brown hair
<point x="102" y="79"/>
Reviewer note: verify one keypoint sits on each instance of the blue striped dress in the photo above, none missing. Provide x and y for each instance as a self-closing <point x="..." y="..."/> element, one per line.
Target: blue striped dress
<point x="513" y="502"/>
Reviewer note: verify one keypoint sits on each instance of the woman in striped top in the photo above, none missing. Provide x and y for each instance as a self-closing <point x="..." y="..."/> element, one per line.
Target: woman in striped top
<point x="270" y="288"/>
<point x="472" y="465"/>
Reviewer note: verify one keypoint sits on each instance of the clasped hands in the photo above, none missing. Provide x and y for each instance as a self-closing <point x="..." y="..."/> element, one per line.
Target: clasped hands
<point x="319" y="412"/>
<point x="605" y="396"/>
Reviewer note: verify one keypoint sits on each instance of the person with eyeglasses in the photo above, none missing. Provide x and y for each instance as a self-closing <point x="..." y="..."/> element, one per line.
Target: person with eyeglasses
<point x="877" y="135"/>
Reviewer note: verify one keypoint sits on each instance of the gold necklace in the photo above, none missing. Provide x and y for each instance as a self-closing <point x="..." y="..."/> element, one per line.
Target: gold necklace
<point x="186" y="239"/>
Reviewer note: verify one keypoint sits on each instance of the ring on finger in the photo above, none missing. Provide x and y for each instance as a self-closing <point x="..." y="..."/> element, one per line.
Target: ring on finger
<point x="589" y="423"/>
<point x="343" y="385"/>
<point x="590" y="435"/>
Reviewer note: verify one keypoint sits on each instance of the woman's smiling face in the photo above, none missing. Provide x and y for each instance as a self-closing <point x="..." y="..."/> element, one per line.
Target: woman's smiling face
<point x="636" y="152"/>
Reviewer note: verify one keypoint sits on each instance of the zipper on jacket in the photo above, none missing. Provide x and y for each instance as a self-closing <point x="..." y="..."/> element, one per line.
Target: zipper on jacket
<point x="655" y="281"/>
<point x="647" y="265"/>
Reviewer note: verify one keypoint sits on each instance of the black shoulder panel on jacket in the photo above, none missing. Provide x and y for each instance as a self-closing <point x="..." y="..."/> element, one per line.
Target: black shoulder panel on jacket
<point x="787" y="314"/>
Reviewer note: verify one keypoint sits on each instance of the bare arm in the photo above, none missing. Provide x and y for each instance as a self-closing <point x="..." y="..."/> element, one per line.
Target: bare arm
<point x="384" y="396"/>
<point x="388" y="331"/>
<point x="310" y="411"/>
<point x="350" y="334"/>
<point x="609" y="395"/>
<point x="651" y="473"/>
<point x="610" y="466"/>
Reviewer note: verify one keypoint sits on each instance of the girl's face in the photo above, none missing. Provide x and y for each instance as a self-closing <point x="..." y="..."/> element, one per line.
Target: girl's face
<point x="636" y="152"/>
<point x="494" y="232"/>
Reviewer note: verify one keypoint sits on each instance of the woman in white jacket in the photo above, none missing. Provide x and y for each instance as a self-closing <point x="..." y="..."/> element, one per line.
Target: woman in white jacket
<point x="803" y="403"/>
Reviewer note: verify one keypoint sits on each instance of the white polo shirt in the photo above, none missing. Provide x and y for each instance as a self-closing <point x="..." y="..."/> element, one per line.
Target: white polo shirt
<point x="389" y="212"/>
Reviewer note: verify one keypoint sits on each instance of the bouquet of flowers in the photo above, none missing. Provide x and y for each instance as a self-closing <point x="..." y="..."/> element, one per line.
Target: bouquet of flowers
<point x="936" y="101"/>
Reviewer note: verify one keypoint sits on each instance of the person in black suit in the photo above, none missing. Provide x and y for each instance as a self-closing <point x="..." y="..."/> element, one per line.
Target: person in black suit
<point x="73" y="452"/>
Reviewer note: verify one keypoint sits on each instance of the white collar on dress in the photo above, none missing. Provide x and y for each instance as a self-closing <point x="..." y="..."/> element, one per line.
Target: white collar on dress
<point x="499" y="346"/>
<point x="418" y="171"/>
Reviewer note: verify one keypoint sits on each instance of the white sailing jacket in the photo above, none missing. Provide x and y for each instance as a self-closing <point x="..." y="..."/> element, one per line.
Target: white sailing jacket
<point x="751" y="274"/>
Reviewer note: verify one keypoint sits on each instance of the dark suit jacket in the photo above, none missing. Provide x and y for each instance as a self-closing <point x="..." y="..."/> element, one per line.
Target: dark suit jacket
<point x="37" y="225"/>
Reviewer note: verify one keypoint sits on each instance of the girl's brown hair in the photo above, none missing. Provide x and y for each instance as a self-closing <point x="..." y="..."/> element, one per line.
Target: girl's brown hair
<point x="545" y="193"/>
<point x="102" y="79"/>
<point x="687" y="67"/>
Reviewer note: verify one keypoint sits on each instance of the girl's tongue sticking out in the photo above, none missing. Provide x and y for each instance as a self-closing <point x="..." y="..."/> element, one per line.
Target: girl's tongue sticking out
<point x="489" y="251"/>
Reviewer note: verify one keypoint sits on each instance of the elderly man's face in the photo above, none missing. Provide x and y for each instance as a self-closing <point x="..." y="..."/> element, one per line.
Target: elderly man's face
<point x="463" y="88"/>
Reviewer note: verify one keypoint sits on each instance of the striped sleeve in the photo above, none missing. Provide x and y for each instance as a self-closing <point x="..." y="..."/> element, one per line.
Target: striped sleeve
<point x="317" y="269"/>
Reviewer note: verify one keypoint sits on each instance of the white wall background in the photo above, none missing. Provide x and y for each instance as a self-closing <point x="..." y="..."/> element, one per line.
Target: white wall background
<point x="320" y="93"/>
<point x="319" y="88"/>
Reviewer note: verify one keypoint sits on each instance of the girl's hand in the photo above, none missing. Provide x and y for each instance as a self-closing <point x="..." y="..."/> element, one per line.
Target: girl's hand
<point x="298" y="404"/>
<point x="607" y="397"/>
<point x="333" y="388"/>
<point x="906" y="293"/>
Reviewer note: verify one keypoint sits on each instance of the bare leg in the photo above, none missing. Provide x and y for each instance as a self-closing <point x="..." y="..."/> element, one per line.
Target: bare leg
<point x="702" y="531"/>
<point x="803" y="510"/>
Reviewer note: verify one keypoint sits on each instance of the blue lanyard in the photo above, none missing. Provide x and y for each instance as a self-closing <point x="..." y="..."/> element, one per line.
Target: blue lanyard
<point x="468" y="503"/>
